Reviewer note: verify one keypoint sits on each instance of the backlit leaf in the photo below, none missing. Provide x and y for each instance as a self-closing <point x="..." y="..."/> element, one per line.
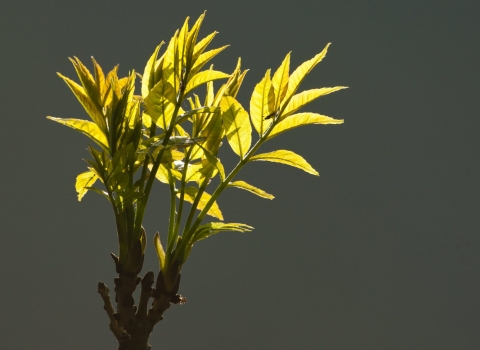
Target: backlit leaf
<point x="85" y="127"/>
<point x="206" y="109"/>
<point x="89" y="105"/>
<point x="262" y="103"/>
<point x="205" y="57"/>
<point x="237" y="125"/>
<point x="160" y="104"/>
<point x="86" y="179"/>
<point x="160" y="252"/>
<point x="99" y="78"/>
<point x="99" y="191"/>
<point x="235" y="86"/>
<point x="191" y="193"/>
<point x="169" y="63"/>
<point x="148" y="78"/>
<point x="305" y="97"/>
<point x="87" y="80"/>
<point x="164" y="174"/>
<point x="202" y="45"/>
<point x="245" y="186"/>
<point x="191" y="41"/>
<point x="300" y="73"/>
<point x="213" y="133"/>
<point x="204" y="77"/>
<point x="210" y="95"/>
<point x="211" y="164"/>
<point x="181" y="44"/>
<point x="212" y="228"/>
<point x="280" y="81"/>
<point x="300" y="119"/>
<point x="285" y="157"/>
<point x="193" y="173"/>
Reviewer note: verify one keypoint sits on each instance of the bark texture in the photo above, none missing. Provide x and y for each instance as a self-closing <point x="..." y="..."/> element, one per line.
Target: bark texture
<point x="132" y="324"/>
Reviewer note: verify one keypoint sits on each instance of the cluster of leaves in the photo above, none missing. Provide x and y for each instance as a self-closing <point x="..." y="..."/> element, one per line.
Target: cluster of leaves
<point x="148" y="136"/>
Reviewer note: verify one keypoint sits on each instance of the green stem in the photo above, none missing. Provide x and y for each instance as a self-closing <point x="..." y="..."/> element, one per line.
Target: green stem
<point x="195" y="204"/>
<point x="143" y="203"/>
<point x="173" y="207"/>
<point x="189" y="234"/>
<point x="182" y="189"/>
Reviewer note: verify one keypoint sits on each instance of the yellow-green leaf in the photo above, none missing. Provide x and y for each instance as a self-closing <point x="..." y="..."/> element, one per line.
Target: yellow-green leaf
<point x="210" y="95"/>
<point x="99" y="78"/>
<point x="191" y="193"/>
<point x="87" y="80"/>
<point x="205" y="57"/>
<point x="147" y="120"/>
<point x="212" y="228"/>
<point x="164" y="174"/>
<point x="85" y="127"/>
<point x="169" y="63"/>
<point x="160" y="104"/>
<point x="205" y="109"/>
<point x="121" y="84"/>
<point x="235" y="86"/>
<point x="212" y="132"/>
<point x="191" y="40"/>
<point x="204" y="77"/>
<point x="211" y="164"/>
<point x="160" y="252"/>
<point x="300" y="73"/>
<point x="300" y="119"/>
<point x="89" y="105"/>
<point x="202" y="45"/>
<point x="280" y="81"/>
<point x="245" y="186"/>
<point x="285" y="157"/>
<point x="181" y="44"/>
<point x="110" y="97"/>
<point x="148" y="78"/>
<point x="305" y="97"/>
<point x="86" y="179"/>
<point x="237" y="125"/>
<point x="193" y="173"/>
<point x="262" y="103"/>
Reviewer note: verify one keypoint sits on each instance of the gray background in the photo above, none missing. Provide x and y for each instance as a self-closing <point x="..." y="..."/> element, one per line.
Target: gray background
<point x="380" y="252"/>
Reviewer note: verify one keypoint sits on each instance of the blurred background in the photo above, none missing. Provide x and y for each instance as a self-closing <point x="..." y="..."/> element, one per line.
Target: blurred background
<point x="379" y="252"/>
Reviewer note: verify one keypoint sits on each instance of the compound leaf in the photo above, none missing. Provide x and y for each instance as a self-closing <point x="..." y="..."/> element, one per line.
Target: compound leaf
<point x="90" y="106"/>
<point x="301" y="72"/>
